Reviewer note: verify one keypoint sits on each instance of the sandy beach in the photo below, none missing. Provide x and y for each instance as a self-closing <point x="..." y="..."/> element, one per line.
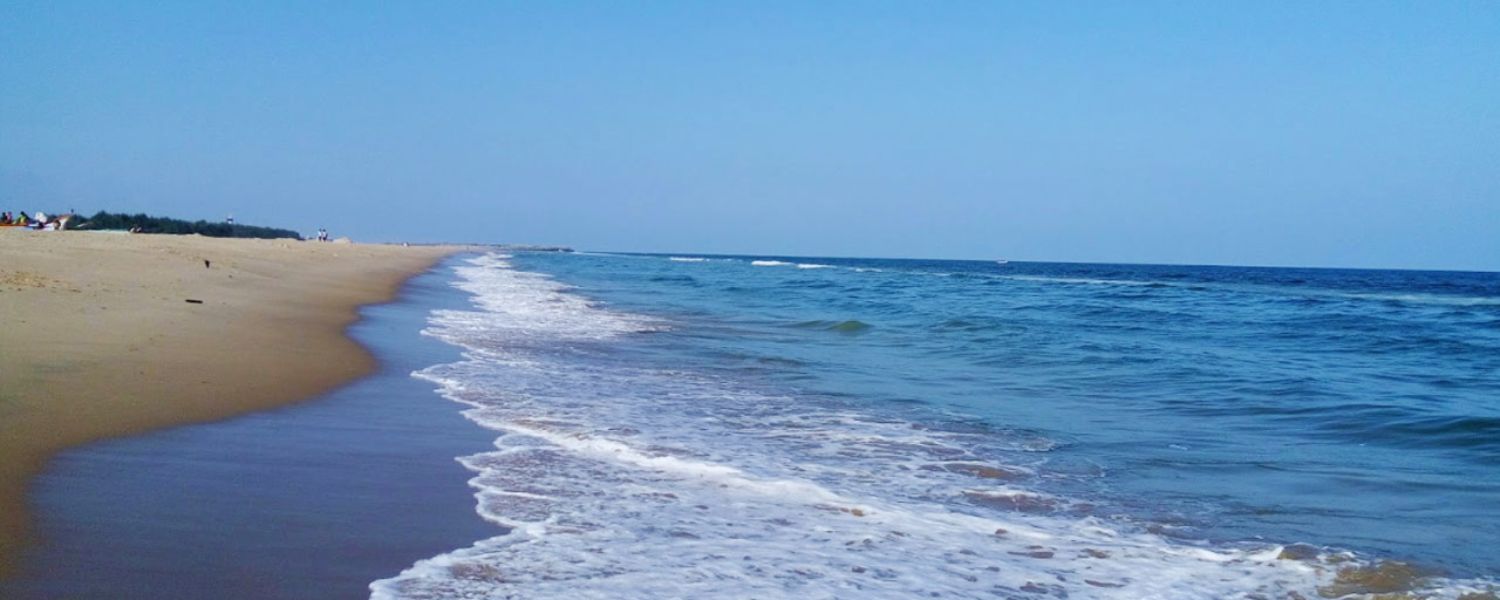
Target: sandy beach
<point x="108" y="335"/>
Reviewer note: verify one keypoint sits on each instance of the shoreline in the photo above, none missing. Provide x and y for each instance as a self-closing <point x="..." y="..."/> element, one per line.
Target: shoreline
<point x="100" y="340"/>
<point x="312" y="500"/>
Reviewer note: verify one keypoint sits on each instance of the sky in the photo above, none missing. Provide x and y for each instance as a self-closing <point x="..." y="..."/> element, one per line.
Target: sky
<point x="1352" y="134"/>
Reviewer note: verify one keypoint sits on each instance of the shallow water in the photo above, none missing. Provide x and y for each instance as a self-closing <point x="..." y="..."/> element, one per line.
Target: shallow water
<point x="699" y="426"/>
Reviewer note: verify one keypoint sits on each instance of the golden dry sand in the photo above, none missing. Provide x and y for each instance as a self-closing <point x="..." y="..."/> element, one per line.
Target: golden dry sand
<point x="98" y="339"/>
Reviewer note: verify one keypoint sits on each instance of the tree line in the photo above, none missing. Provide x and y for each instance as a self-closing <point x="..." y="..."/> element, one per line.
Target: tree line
<point x="143" y="223"/>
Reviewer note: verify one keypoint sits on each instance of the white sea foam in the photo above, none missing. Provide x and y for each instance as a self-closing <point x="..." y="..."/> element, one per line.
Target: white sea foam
<point x="519" y="304"/>
<point x="608" y="254"/>
<point x="1078" y="280"/>
<point x="687" y="259"/>
<point x="813" y="266"/>
<point x="620" y="481"/>
<point x="769" y="263"/>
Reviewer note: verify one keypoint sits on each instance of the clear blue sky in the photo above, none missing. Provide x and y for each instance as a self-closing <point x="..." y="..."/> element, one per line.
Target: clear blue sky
<point x="1284" y="133"/>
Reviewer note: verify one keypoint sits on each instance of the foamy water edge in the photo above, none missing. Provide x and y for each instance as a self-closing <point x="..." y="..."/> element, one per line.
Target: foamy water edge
<point x="663" y="497"/>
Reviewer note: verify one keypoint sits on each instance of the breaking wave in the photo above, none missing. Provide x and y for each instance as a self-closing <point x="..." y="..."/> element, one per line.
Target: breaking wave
<point x="611" y="479"/>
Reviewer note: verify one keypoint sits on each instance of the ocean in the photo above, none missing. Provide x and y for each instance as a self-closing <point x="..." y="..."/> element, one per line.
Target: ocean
<point x="691" y="426"/>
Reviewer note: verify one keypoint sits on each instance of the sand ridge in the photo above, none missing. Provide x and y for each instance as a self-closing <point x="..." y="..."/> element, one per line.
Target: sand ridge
<point x="105" y="335"/>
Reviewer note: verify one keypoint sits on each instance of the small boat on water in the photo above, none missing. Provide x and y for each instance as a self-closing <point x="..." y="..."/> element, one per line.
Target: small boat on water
<point x="1002" y="262"/>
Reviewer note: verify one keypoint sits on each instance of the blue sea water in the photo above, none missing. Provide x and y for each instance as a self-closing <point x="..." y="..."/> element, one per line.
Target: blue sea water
<point x="736" y="426"/>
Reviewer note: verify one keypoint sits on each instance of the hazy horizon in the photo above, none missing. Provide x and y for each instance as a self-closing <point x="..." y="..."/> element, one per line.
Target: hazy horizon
<point x="1358" y="135"/>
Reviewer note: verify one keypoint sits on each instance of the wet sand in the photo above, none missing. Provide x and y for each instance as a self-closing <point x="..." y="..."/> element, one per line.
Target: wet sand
<point x="314" y="500"/>
<point x="100" y="340"/>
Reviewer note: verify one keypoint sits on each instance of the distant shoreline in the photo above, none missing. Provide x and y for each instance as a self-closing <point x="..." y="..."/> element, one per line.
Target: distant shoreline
<point x="114" y="335"/>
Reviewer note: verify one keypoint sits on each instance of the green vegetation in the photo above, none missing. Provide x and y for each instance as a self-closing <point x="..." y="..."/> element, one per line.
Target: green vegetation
<point x="149" y="224"/>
